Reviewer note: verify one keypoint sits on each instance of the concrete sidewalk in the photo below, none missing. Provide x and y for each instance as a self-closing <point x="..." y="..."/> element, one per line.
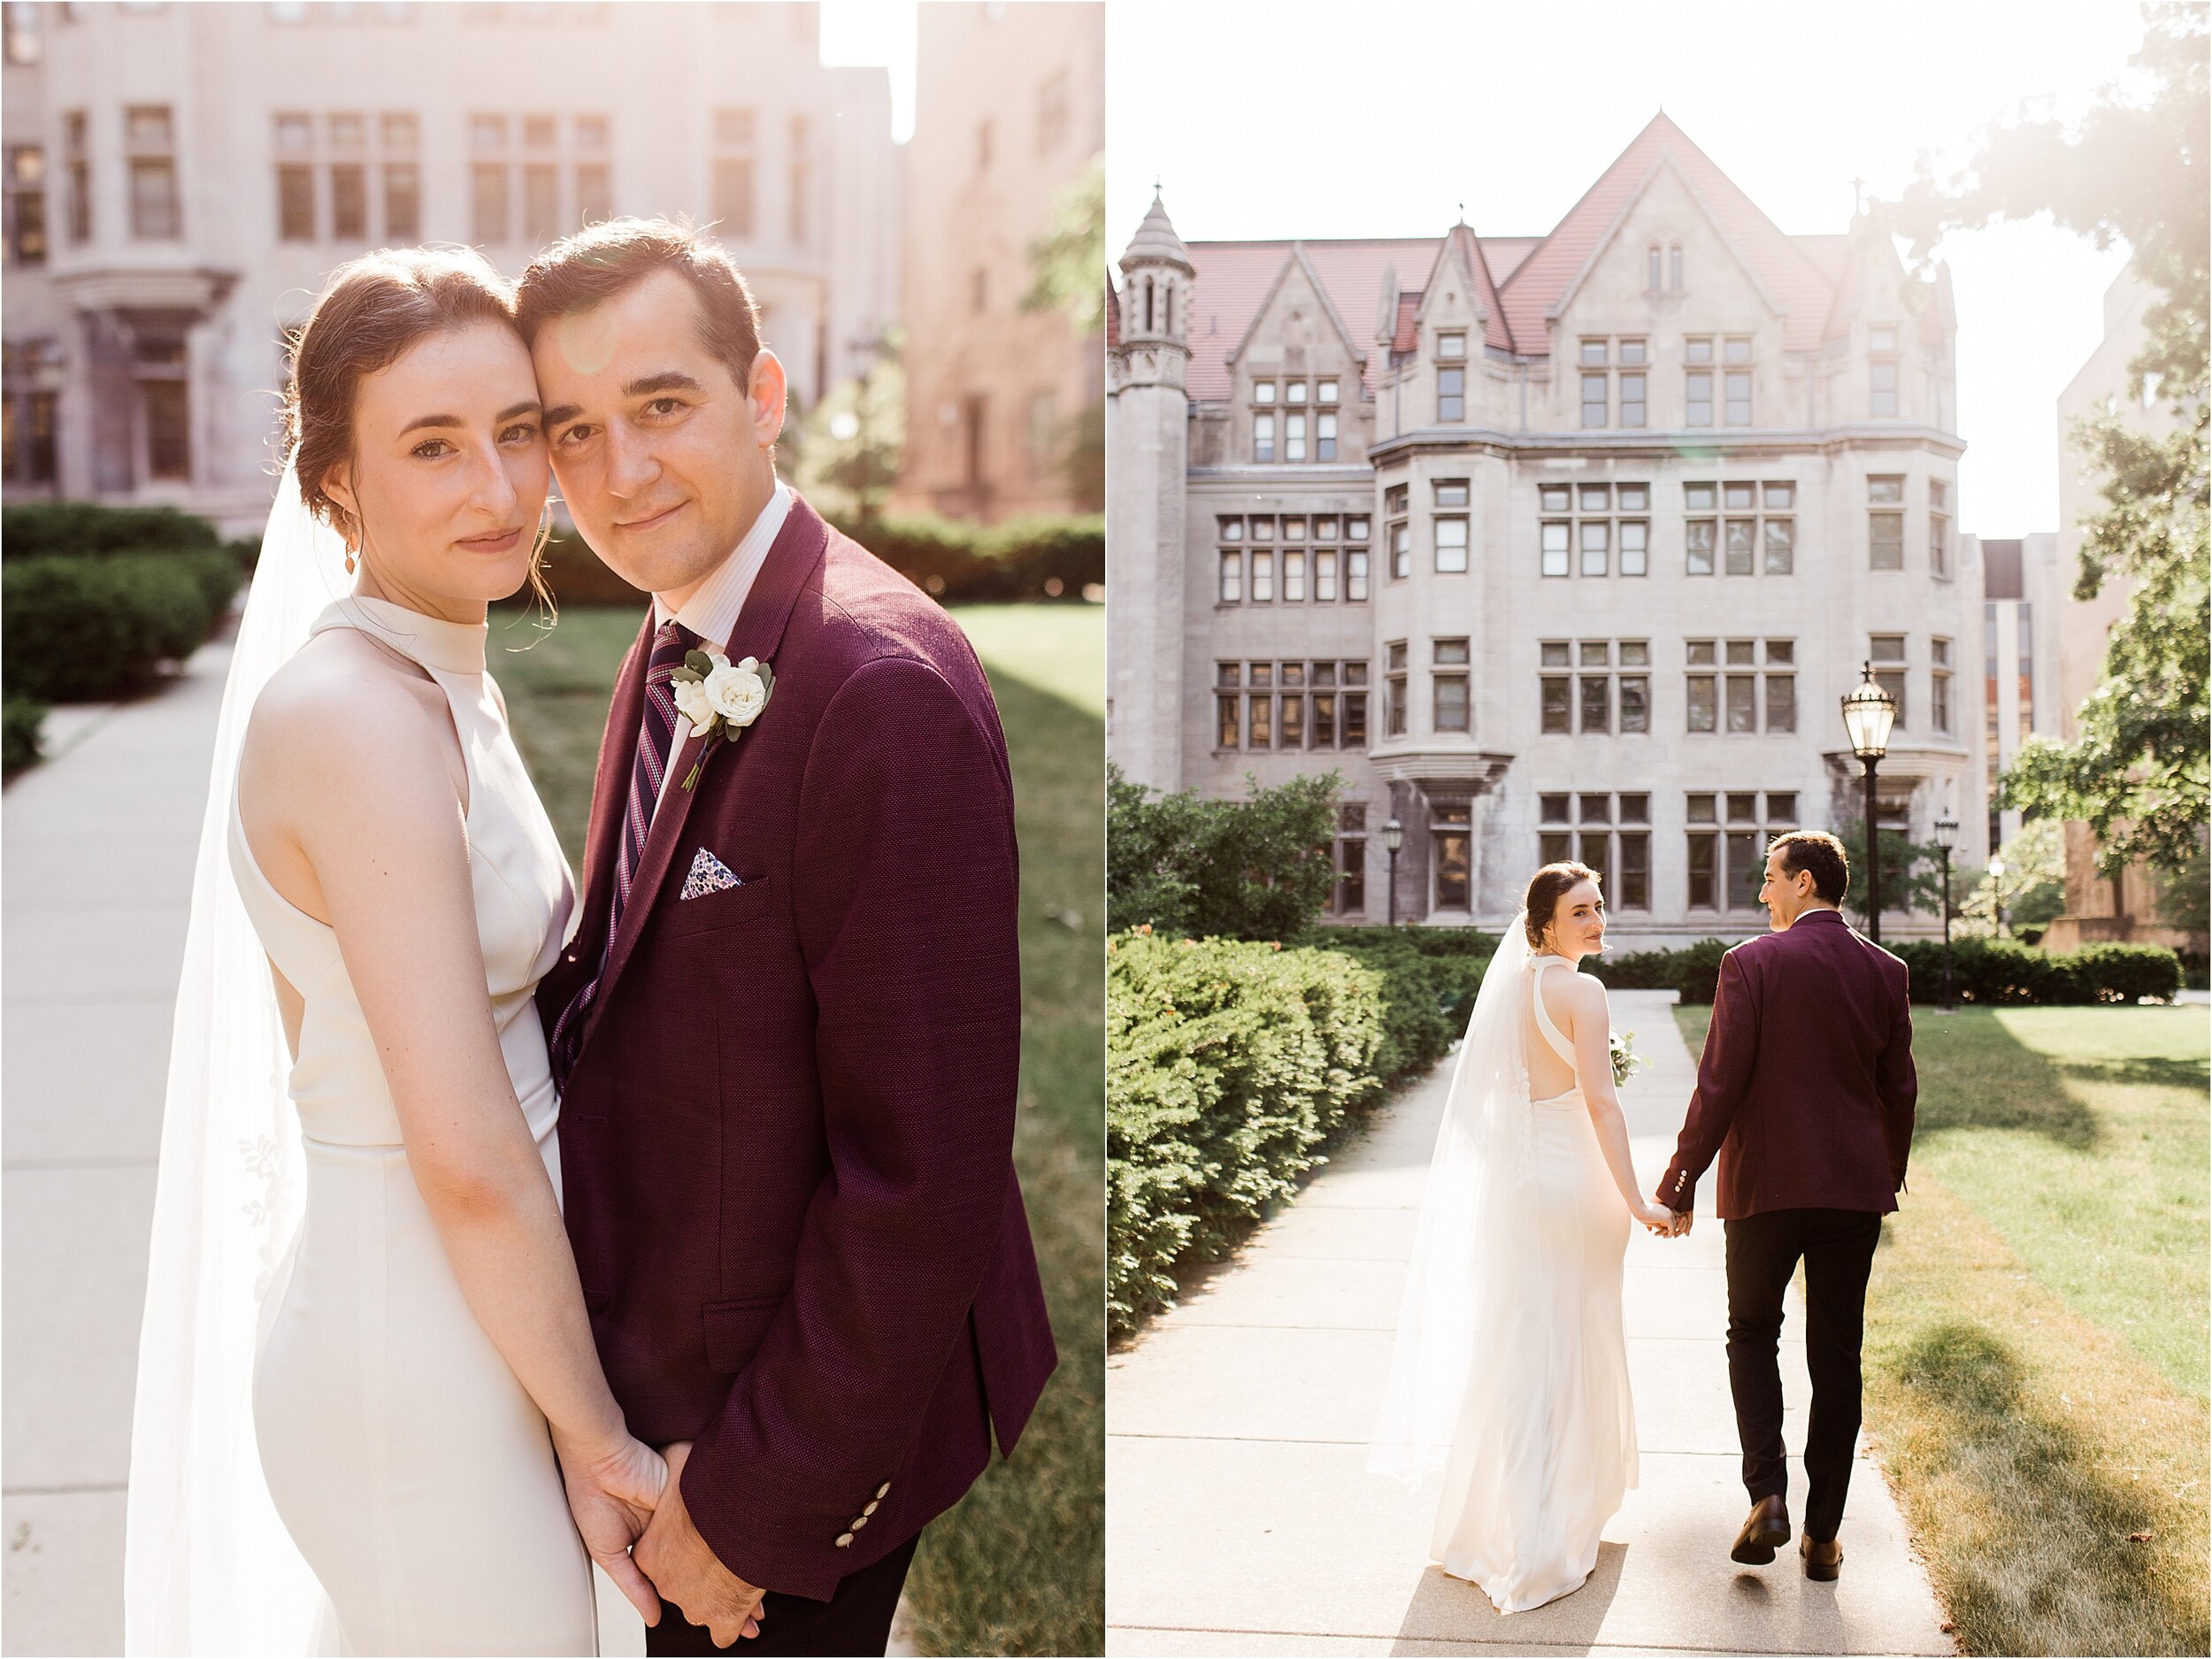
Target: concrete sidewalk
<point x="97" y="846"/>
<point x="1240" y="1519"/>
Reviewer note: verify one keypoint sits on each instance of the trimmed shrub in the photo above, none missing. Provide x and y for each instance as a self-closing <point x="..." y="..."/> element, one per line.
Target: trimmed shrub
<point x="1693" y="970"/>
<point x="1228" y="1065"/>
<point x="75" y="529"/>
<point x="2004" y="973"/>
<point x="20" y="717"/>
<point x="1252" y="869"/>
<point x="1430" y="976"/>
<point x="76" y="630"/>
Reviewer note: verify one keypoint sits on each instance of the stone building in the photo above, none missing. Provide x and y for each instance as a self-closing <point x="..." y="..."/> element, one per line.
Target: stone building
<point x="1009" y="113"/>
<point x="181" y="179"/>
<point x="2024" y="596"/>
<point x="1559" y="545"/>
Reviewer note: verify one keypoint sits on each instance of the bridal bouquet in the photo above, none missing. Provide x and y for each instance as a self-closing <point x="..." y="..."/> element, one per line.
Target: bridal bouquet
<point x="1627" y="1061"/>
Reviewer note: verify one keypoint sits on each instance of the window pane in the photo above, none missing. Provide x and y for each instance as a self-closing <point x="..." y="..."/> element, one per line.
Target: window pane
<point x="1635" y="536"/>
<point x="1597" y="703"/>
<point x="1263" y="578"/>
<point x="1293" y="391"/>
<point x="1740" y="497"/>
<point x="1448" y="651"/>
<point x="1594" y="351"/>
<point x="1554" y="497"/>
<point x="1451" y="870"/>
<point x="154" y="200"/>
<point x="1886" y="648"/>
<point x="1226" y="709"/>
<point x="490" y="204"/>
<point x="1633" y="891"/>
<point x="1699" y="497"/>
<point x="1698" y="543"/>
<point x="1698" y="351"/>
<point x="1885" y="540"/>
<point x="1451" y="492"/>
<point x="1635" y="653"/>
<point x="296" y="203"/>
<point x="1593" y="400"/>
<point x="1555" y="704"/>
<point x="350" y="202"/>
<point x="1554" y="543"/>
<point x="1747" y="870"/>
<point x="1232" y="578"/>
<point x="168" y="430"/>
<point x="1293" y="722"/>
<point x="1740" y="533"/>
<point x="1596" y="653"/>
<point x="1259" y="713"/>
<point x="1451" y="544"/>
<point x="402" y="202"/>
<point x="1324" y="720"/>
<point x="1401" y="549"/>
<point x="1355" y="720"/>
<point x="1293" y="578"/>
<point x="1555" y="847"/>
<point x="1595" y="809"/>
<point x="1781" y="702"/>
<point x="1698" y="398"/>
<point x="1451" y="345"/>
<point x="1781" y="546"/>
<point x="1631" y="400"/>
<point x="1556" y="653"/>
<point x="1632" y="351"/>
<point x="1356" y="575"/>
<point x="1635" y="497"/>
<point x="1882" y="488"/>
<point x="1701" y="693"/>
<point x="1702" y="849"/>
<point x="1597" y="852"/>
<point x="1451" y="398"/>
<point x="1553" y="808"/>
<point x="1597" y="536"/>
<point x="1263" y="437"/>
<point x="1635" y="703"/>
<point x="1325" y="437"/>
<point x="1597" y="497"/>
<point x="1325" y="578"/>
<point x="1263" y="392"/>
<point x="1739" y="398"/>
<point x="1294" y="437"/>
<point x="1742" y="704"/>
<point x="1698" y="652"/>
<point x="541" y="203"/>
<point x="1451" y="702"/>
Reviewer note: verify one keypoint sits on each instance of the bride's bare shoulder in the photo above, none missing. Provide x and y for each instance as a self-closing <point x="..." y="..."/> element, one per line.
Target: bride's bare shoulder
<point x="1568" y="995"/>
<point x="341" y="696"/>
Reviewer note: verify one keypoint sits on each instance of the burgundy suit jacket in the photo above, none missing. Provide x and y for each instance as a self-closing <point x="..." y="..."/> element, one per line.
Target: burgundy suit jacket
<point x="787" y="1144"/>
<point x="1806" y="1088"/>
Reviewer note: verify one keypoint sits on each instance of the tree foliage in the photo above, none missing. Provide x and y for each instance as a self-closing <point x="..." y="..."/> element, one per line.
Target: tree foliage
<point x="1252" y="869"/>
<point x="853" y="441"/>
<point x="2133" y="172"/>
<point x="1912" y="873"/>
<point x="1067" y="264"/>
<point x="2023" y="887"/>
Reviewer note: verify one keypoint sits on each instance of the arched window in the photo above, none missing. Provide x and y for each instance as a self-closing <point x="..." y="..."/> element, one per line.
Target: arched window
<point x="1674" y="266"/>
<point x="1148" y="306"/>
<point x="1167" y="306"/>
<point x="1651" y="268"/>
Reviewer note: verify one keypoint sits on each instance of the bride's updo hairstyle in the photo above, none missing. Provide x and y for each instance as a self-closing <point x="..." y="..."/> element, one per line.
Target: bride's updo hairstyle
<point x="1546" y="888"/>
<point x="371" y="310"/>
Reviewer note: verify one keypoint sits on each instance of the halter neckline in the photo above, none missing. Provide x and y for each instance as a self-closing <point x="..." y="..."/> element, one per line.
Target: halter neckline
<point x="453" y="648"/>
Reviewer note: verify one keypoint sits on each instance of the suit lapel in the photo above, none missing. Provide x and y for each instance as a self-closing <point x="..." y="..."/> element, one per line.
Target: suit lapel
<point x="791" y="561"/>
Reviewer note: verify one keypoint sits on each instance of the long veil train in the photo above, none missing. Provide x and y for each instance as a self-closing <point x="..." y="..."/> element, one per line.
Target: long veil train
<point x="208" y="1568"/>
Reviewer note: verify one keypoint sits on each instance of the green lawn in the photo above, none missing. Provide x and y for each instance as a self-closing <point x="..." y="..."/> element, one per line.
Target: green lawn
<point x="2036" y="1326"/>
<point x="1018" y="1566"/>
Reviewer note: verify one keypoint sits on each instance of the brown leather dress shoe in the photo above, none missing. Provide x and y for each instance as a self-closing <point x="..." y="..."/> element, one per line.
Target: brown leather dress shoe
<point x="1765" y="1531"/>
<point x="1822" y="1560"/>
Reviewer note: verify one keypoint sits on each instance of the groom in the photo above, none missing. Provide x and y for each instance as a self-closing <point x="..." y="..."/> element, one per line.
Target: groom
<point x="789" y="1025"/>
<point x="1806" y="1091"/>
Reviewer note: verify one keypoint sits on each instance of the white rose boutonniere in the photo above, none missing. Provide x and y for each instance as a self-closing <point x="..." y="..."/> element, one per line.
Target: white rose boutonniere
<point x="720" y="698"/>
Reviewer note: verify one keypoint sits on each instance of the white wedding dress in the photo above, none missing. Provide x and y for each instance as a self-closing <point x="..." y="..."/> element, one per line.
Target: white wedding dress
<point x="408" y="1465"/>
<point x="1510" y="1371"/>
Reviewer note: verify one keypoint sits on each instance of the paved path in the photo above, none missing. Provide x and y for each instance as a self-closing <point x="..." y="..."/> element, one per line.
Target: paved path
<point x="1240" y="1519"/>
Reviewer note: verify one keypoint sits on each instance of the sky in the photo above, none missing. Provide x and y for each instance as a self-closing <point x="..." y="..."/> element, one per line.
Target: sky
<point x="1380" y="119"/>
<point x="875" y="31"/>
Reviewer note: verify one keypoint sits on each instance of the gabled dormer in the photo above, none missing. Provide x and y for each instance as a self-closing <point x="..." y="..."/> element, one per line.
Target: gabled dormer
<point x="1294" y="377"/>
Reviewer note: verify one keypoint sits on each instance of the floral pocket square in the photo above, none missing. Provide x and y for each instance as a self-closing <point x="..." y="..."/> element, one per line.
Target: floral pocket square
<point x="709" y="874"/>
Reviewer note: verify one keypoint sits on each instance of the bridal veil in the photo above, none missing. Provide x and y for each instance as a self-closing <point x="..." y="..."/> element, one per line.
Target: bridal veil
<point x="208" y="1568"/>
<point x="1473" y="1248"/>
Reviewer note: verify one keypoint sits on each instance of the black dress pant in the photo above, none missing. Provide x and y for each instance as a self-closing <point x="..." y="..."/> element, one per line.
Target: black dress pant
<point x="1836" y="1246"/>
<point x="855" y="1620"/>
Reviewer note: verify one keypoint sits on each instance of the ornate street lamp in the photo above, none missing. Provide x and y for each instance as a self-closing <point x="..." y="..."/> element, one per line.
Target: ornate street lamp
<point x="1393" y="838"/>
<point x="1947" y="835"/>
<point x="1868" y="713"/>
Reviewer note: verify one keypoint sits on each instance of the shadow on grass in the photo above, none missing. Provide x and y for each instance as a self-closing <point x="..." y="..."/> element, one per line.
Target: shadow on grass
<point x="1998" y="1082"/>
<point x="2050" y="1567"/>
<point x="2139" y="1072"/>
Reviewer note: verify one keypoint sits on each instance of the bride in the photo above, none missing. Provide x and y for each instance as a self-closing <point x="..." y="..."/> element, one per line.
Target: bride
<point x="1510" y="1373"/>
<point x="386" y="1283"/>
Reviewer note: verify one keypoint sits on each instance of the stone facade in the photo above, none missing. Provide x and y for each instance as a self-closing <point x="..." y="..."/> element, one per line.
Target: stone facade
<point x="2023" y="597"/>
<point x="1009" y="113"/>
<point x="1440" y="515"/>
<point x="200" y="169"/>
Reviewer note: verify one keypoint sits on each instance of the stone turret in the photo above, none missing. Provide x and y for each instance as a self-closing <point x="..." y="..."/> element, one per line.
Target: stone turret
<point x="1148" y="426"/>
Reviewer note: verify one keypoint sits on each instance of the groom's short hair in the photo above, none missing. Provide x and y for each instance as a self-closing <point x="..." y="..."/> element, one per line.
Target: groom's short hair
<point x="597" y="263"/>
<point x="1821" y="854"/>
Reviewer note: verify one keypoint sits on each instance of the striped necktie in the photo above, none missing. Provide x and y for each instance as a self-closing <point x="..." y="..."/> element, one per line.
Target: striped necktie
<point x="671" y="643"/>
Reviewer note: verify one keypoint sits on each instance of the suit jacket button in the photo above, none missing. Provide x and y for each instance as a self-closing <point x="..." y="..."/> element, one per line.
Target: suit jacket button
<point x="873" y="1504"/>
<point x="883" y="1491"/>
<point x="859" y="1521"/>
<point x="844" y="1540"/>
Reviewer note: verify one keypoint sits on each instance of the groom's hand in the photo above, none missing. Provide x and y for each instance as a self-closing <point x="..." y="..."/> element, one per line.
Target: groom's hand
<point x="1682" y="1219"/>
<point x="686" y="1573"/>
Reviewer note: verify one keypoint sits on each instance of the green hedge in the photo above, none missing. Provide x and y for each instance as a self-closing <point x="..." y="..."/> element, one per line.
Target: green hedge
<point x="76" y="528"/>
<point x="951" y="559"/>
<point x="77" y="629"/>
<point x="20" y="717"/>
<point x="1986" y="972"/>
<point x="1228" y="1063"/>
<point x="1430" y="978"/>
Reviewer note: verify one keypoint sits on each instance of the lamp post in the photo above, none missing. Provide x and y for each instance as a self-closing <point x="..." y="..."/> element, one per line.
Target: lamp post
<point x="1947" y="834"/>
<point x="1868" y="713"/>
<point x="1393" y="838"/>
<point x="1997" y="890"/>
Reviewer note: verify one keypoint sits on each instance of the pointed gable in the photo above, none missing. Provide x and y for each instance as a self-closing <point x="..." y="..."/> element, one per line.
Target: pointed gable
<point x="1541" y="280"/>
<point x="1460" y="244"/>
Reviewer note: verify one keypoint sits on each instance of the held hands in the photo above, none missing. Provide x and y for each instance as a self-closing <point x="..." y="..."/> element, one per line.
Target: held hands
<point x="612" y="1494"/>
<point x="1660" y="1219"/>
<point x="686" y="1573"/>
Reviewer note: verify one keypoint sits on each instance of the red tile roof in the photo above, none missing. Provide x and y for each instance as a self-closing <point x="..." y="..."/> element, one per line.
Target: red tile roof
<point x="1518" y="278"/>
